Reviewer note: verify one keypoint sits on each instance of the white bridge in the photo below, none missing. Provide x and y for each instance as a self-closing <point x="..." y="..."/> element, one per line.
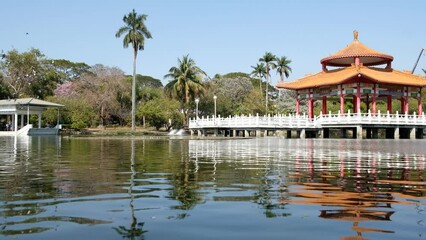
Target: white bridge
<point x="413" y="123"/>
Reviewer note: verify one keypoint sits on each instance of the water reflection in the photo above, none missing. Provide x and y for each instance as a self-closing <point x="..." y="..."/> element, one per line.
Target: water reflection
<point x="349" y="180"/>
<point x="136" y="229"/>
<point x="157" y="188"/>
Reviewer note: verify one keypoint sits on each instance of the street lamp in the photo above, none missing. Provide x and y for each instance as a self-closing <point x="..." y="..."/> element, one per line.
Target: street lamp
<point x="214" y="98"/>
<point x="197" y="100"/>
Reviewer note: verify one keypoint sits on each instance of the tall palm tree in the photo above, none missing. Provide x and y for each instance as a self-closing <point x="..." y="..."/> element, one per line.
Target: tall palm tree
<point x="283" y="67"/>
<point x="186" y="80"/>
<point x="259" y="71"/>
<point x="135" y="33"/>
<point x="269" y="60"/>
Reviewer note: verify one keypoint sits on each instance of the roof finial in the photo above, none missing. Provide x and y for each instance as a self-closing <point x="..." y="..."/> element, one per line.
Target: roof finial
<point x="355" y="35"/>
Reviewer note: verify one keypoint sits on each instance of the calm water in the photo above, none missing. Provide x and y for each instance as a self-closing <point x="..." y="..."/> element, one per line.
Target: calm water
<point x="165" y="188"/>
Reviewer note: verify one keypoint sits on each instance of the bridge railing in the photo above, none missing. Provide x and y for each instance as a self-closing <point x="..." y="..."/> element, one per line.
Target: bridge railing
<point x="302" y="121"/>
<point x="275" y="121"/>
<point x="371" y="118"/>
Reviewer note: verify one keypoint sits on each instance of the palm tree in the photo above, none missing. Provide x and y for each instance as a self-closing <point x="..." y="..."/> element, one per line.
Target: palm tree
<point x="269" y="60"/>
<point x="259" y="71"/>
<point x="283" y="67"/>
<point x="186" y="80"/>
<point x="135" y="33"/>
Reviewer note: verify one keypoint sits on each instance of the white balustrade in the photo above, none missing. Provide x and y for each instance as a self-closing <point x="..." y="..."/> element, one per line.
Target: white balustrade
<point x="302" y="121"/>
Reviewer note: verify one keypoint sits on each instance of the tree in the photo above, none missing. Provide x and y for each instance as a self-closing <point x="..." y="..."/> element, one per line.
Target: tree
<point x="259" y="71"/>
<point x="28" y="74"/>
<point x="159" y="111"/>
<point x="136" y="32"/>
<point x="269" y="60"/>
<point x="283" y="67"/>
<point x="231" y="93"/>
<point x="186" y="80"/>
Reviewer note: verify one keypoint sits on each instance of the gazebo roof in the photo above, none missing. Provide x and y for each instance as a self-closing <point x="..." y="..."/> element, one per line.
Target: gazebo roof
<point x="28" y="101"/>
<point x="339" y="76"/>
<point x="346" y="56"/>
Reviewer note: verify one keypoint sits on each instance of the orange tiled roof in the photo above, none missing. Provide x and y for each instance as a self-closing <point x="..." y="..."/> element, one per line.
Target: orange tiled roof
<point x="338" y="76"/>
<point x="346" y="56"/>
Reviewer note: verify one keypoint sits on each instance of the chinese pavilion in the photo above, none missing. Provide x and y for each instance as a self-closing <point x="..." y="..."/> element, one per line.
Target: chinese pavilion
<point x="360" y="74"/>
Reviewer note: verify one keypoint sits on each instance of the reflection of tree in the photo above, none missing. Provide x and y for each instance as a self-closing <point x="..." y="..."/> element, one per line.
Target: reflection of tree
<point x="186" y="189"/>
<point x="136" y="229"/>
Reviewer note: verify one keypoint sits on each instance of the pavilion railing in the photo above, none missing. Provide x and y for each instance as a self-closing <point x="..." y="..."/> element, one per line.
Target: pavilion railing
<point x="302" y="121"/>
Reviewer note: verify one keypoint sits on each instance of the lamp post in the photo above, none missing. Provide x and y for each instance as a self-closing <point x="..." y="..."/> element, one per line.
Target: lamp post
<point x="215" y="98"/>
<point x="197" y="100"/>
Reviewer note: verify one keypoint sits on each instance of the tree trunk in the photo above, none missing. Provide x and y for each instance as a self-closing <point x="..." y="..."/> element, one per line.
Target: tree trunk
<point x="266" y="92"/>
<point x="134" y="91"/>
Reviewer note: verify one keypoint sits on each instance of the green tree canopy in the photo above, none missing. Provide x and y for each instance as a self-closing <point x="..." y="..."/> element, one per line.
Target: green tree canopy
<point x="186" y="80"/>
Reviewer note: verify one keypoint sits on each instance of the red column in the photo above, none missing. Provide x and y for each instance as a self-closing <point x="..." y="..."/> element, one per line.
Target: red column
<point x="342" y="100"/>
<point x="297" y="104"/>
<point x="374" y="99"/>
<point x="358" y="98"/>
<point x="419" y="103"/>
<point x="406" y="105"/>
<point x="310" y="109"/>
<point x="324" y="105"/>
<point x="402" y="99"/>
<point x="389" y="103"/>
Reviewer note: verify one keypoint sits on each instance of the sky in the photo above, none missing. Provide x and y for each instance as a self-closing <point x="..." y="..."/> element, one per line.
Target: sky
<point x="222" y="36"/>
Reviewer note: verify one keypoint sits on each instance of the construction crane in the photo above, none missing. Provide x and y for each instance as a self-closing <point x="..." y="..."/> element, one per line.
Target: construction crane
<point x="415" y="65"/>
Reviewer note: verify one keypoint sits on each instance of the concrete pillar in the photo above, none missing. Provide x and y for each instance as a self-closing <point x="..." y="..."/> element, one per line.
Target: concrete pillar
<point x="358" y="132"/>
<point x="39" y="120"/>
<point x="234" y="133"/>
<point x="396" y="133"/>
<point x="199" y="133"/>
<point x="265" y="133"/>
<point x="15" y="122"/>
<point x="258" y="133"/>
<point x="192" y="132"/>
<point x="413" y="133"/>
<point x="302" y="134"/>
<point x="22" y="121"/>
<point x="246" y="133"/>
<point x="321" y="133"/>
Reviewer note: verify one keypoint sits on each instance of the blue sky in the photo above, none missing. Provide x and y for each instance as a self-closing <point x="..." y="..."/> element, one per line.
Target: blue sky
<point x="222" y="36"/>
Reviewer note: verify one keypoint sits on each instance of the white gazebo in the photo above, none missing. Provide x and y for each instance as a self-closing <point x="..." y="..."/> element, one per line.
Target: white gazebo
<point x="18" y="111"/>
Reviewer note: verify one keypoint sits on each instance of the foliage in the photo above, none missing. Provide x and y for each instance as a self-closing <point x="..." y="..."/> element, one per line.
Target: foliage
<point x="28" y="74"/>
<point x="186" y="80"/>
<point x="70" y="70"/>
<point x="102" y="89"/>
<point x="147" y="81"/>
<point x="78" y="113"/>
<point x="160" y="112"/>
<point x="283" y="67"/>
<point x="230" y="93"/>
<point x="259" y="72"/>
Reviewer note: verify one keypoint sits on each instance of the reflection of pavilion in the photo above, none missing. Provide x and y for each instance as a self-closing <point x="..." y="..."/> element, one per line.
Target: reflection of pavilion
<point x="345" y="181"/>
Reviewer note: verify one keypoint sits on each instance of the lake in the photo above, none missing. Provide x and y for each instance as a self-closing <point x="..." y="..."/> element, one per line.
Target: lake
<point x="188" y="188"/>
